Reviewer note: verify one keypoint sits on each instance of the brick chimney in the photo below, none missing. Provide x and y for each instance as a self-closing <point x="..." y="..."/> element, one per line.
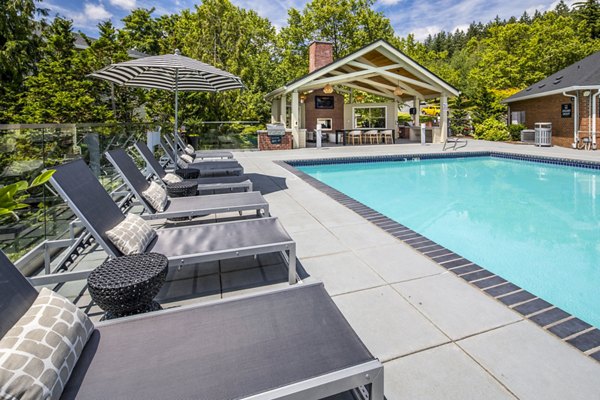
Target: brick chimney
<point x="320" y="54"/>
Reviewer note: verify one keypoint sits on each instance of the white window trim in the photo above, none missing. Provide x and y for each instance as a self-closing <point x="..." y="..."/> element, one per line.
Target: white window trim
<point x="330" y="123"/>
<point x="358" y="107"/>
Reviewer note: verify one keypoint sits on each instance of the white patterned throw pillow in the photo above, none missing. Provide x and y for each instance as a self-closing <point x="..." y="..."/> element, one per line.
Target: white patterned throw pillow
<point x="186" y="158"/>
<point x="156" y="195"/>
<point x="172" y="178"/>
<point x="132" y="235"/>
<point x="181" y="164"/>
<point x="38" y="354"/>
<point x="189" y="150"/>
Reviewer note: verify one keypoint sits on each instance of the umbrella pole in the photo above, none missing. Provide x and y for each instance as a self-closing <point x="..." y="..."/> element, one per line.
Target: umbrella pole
<point x="176" y="102"/>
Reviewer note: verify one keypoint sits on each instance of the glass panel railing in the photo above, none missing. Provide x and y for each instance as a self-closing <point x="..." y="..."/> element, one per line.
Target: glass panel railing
<point x="209" y="135"/>
<point x="26" y="150"/>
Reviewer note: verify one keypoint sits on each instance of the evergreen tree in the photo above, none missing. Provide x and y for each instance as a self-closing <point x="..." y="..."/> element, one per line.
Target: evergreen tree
<point x="460" y="123"/>
<point x="109" y="49"/>
<point x="141" y="31"/>
<point x="19" y="51"/>
<point x="589" y="12"/>
<point x="59" y="91"/>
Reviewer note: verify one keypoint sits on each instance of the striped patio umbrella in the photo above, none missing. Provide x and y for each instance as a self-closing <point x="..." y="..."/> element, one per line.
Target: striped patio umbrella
<point x="172" y="72"/>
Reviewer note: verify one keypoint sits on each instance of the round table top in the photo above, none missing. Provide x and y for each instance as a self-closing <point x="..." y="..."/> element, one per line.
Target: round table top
<point x="127" y="271"/>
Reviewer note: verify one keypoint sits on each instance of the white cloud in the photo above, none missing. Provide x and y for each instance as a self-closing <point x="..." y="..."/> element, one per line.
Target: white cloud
<point x="422" y="33"/>
<point x="461" y="27"/>
<point x="91" y="13"/>
<point x="428" y="17"/>
<point x="389" y="2"/>
<point x="95" y="12"/>
<point x="124" y="4"/>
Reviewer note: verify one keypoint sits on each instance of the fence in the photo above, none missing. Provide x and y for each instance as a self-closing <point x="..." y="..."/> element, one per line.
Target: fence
<point x="27" y="149"/>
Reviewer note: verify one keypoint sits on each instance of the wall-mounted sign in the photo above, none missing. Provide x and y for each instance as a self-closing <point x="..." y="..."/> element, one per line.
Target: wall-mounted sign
<point x="275" y="139"/>
<point x="413" y="111"/>
<point x="566" y="110"/>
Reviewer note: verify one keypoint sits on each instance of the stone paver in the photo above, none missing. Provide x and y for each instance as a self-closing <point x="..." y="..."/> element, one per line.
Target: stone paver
<point x="388" y="325"/>
<point x="363" y="235"/>
<point x="397" y="262"/>
<point x="456" y="308"/>
<point x="444" y="373"/>
<point x="342" y="273"/>
<point x="534" y="364"/>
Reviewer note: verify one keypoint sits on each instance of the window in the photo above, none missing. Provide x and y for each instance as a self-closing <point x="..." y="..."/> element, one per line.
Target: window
<point x="325" y="123"/>
<point x="370" y="117"/>
<point x="517" y="117"/>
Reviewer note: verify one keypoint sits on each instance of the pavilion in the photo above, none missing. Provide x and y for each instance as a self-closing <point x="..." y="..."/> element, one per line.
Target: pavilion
<point x="379" y="69"/>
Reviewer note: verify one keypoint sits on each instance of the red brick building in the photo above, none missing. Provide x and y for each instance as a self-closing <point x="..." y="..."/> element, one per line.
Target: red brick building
<point x="569" y="99"/>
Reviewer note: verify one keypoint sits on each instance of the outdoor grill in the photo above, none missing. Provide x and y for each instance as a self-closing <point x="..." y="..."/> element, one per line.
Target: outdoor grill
<point x="277" y="129"/>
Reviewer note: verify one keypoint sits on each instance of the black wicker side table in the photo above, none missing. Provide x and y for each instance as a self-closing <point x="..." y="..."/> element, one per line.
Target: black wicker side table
<point x="127" y="285"/>
<point x="188" y="173"/>
<point x="182" y="189"/>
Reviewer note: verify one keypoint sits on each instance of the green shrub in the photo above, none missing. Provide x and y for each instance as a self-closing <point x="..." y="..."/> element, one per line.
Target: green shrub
<point x="404" y="117"/>
<point x="492" y="129"/>
<point x="515" y="131"/>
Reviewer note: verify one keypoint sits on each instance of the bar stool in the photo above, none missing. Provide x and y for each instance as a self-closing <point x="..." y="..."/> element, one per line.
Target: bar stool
<point x="388" y="135"/>
<point x="370" y="135"/>
<point x="353" y="136"/>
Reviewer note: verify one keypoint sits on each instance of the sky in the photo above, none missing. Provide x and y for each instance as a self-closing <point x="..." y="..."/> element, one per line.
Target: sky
<point x="420" y="17"/>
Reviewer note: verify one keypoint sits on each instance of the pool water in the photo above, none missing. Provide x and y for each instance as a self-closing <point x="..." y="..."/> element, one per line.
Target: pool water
<point x="536" y="225"/>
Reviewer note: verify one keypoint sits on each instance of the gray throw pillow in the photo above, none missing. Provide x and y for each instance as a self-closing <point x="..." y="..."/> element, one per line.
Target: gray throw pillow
<point x="172" y="178"/>
<point x="132" y="235"/>
<point x="156" y="195"/>
<point x="186" y="158"/>
<point x="38" y="354"/>
<point x="181" y="164"/>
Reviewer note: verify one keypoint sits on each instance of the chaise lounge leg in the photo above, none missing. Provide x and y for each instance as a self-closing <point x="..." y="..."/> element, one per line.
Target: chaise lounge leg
<point x="292" y="275"/>
<point x="377" y="387"/>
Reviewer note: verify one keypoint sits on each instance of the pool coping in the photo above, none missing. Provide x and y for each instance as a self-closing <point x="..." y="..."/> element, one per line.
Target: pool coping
<point x="558" y="322"/>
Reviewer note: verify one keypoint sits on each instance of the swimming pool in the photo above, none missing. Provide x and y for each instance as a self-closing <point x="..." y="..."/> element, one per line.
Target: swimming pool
<point x="536" y="225"/>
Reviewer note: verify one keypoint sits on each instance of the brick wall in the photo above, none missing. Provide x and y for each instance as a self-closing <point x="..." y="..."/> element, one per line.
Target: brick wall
<point x="264" y="142"/>
<point x="320" y="54"/>
<point x="336" y="114"/>
<point x="548" y="109"/>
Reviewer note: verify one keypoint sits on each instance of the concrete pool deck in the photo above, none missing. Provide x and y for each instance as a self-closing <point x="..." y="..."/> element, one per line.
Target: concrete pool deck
<point x="438" y="336"/>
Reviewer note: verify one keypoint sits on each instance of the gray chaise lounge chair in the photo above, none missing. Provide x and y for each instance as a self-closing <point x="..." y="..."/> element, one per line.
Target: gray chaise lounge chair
<point x="204" y="183"/>
<point x="292" y="344"/>
<point x="207" y="168"/>
<point x="183" y="246"/>
<point x="192" y="206"/>
<point x="203" y="154"/>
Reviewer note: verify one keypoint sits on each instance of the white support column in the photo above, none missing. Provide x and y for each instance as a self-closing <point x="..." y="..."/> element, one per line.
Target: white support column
<point x="443" y="118"/>
<point x="274" y="110"/>
<point x="295" y="120"/>
<point x="416" y="119"/>
<point x="283" y="109"/>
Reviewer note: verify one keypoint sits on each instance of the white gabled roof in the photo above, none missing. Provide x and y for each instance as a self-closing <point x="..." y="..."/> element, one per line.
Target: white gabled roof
<point x="377" y="68"/>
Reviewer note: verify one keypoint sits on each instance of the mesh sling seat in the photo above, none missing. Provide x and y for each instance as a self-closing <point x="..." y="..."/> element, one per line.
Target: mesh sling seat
<point x="192" y="206"/>
<point x="209" y="167"/>
<point x="292" y="343"/>
<point x="203" y="154"/>
<point x="183" y="246"/>
<point x="204" y="183"/>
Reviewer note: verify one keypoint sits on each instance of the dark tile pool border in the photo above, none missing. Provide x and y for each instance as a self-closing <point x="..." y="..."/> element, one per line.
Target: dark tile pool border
<point x="563" y="325"/>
